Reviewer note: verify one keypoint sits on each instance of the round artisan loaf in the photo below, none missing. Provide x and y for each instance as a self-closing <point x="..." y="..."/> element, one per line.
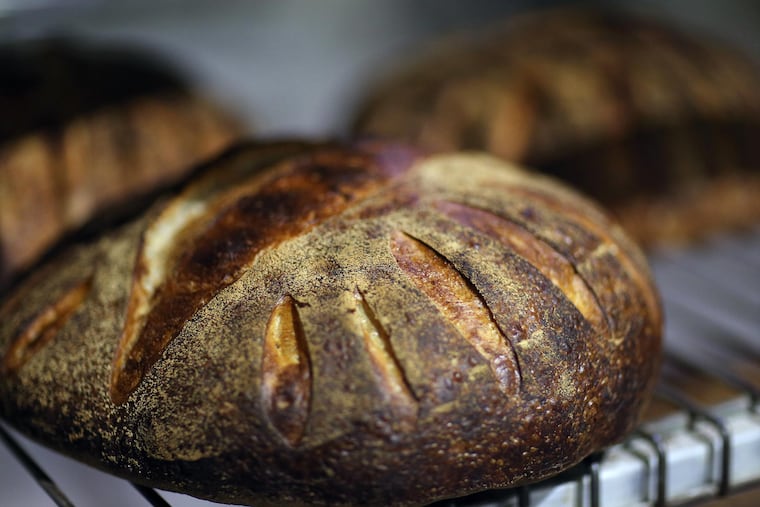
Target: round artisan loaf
<point x="338" y="324"/>
<point x="657" y="124"/>
<point x="85" y="128"/>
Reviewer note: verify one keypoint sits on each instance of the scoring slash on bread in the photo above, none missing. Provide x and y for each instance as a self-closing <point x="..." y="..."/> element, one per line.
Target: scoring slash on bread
<point x="342" y="324"/>
<point x="656" y="123"/>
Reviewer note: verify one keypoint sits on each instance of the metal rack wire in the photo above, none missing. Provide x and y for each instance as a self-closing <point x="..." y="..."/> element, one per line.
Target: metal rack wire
<point x="707" y="446"/>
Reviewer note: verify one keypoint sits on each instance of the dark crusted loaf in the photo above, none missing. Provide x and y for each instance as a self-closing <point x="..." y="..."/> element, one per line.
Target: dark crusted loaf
<point x="656" y="123"/>
<point x="85" y="129"/>
<point x="344" y="325"/>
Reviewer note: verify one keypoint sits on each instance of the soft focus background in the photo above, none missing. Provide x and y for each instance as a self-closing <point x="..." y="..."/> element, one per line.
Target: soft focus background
<point x="287" y="67"/>
<point x="296" y="66"/>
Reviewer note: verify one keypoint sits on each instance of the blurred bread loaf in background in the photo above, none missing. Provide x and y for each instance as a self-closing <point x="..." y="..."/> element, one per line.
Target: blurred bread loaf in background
<point x="85" y="128"/>
<point x="658" y="124"/>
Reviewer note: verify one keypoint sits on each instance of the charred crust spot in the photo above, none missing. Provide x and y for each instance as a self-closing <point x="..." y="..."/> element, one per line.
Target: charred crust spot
<point x="554" y="266"/>
<point x="45" y="326"/>
<point x="286" y="372"/>
<point x="389" y="374"/>
<point x="209" y="235"/>
<point x="460" y="303"/>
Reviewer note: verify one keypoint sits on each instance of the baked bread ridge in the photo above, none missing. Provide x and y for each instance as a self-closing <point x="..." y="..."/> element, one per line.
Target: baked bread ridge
<point x="87" y="128"/>
<point x="369" y="326"/>
<point x="629" y="110"/>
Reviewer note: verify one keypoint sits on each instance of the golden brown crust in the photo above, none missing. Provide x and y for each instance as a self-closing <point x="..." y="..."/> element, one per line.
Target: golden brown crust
<point x="435" y="326"/>
<point x="286" y="372"/>
<point x="85" y="130"/>
<point x="626" y="109"/>
<point x="44" y="327"/>
<point x="207" y="248"/>
<point x="459" y="302"/>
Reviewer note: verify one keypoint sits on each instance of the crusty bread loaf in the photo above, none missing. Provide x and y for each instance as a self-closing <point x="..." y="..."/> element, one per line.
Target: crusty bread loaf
<point x="657" y="124"/>
<point x="88" y="128"/>
<point x="338" y="324"/>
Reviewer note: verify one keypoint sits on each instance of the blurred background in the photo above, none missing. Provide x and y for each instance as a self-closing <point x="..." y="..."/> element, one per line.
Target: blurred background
<point x="286" y="67"/>
<point x="296" y="66"/>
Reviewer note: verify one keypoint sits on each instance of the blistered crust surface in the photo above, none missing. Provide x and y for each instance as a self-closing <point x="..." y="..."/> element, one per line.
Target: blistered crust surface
<point x="424" y="327"/>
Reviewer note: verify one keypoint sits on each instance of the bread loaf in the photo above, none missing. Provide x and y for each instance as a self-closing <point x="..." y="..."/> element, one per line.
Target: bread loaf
<point x="657" y="124"/>
<point x="338" y="324"/>
<point x="86" y="129"/>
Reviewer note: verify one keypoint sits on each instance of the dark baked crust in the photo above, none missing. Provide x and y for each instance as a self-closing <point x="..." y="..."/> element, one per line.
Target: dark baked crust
<point x="344" y="325"/>
<point x="657" y="124"/>
<point x="86" y="129"/>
